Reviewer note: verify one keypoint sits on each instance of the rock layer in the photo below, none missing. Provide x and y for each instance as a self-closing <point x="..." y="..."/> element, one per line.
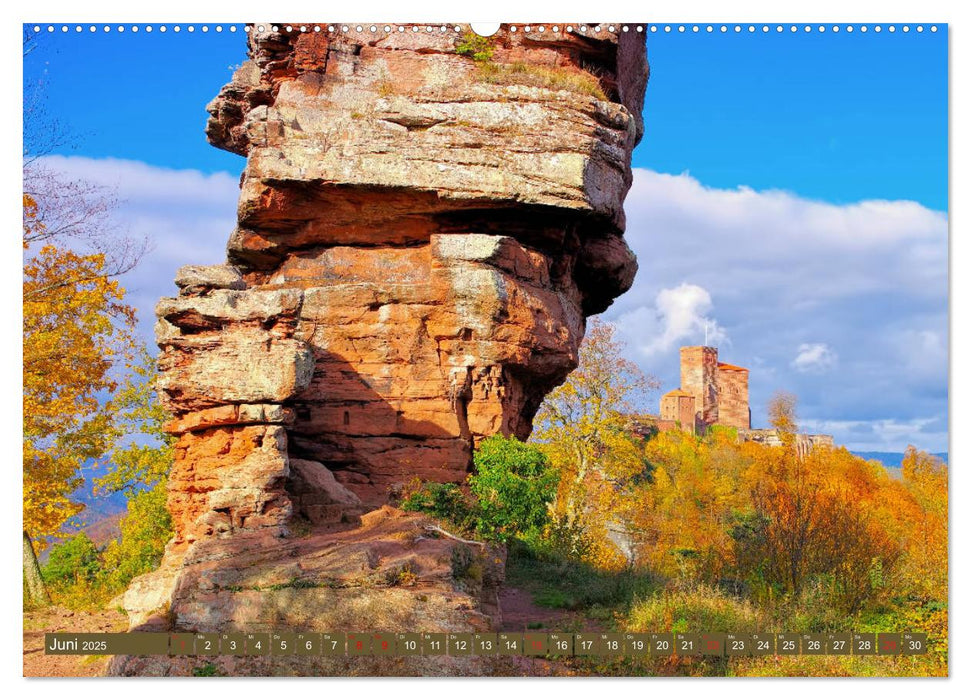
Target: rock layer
<point x="420" y="239"/>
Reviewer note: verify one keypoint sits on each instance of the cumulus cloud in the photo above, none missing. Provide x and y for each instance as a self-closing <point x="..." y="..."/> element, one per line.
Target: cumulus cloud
<point x="678" y="317"/>
<point x="186" y="217"/>
<point x="883" y="435"/>
<point x="147" y="185"/>
<point x="844" y="305"/>
<point x="815" y="358"/>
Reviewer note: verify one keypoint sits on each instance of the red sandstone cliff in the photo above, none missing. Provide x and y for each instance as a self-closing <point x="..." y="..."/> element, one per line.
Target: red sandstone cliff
<point x="420" y="239"/>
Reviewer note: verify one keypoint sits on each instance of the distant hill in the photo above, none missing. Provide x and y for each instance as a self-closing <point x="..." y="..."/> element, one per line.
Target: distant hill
<point x="99" y="519"/>
<point x="97" y="507"/>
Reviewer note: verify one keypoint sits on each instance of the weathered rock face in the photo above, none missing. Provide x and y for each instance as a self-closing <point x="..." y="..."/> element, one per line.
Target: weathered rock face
<point x="386" y="574"/>
<point x="420" y="239"/>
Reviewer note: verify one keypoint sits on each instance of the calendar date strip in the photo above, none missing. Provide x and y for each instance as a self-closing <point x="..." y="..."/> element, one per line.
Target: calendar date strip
<point x="545" y="644"/>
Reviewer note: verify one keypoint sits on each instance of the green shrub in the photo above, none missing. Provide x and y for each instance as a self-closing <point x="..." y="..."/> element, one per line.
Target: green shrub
<point x="478" y="48"/>
<point x="444" y="501"/>
<point x="513" y="484"/>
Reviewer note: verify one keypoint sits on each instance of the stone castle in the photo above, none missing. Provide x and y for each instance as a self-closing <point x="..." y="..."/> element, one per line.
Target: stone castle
<point x="716" y="393"/>
<point x="711" y="393"/>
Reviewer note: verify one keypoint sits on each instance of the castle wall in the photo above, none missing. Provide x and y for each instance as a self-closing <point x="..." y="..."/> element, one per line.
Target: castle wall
<point x="733" y="407"/>
<point x="678" y="408"/>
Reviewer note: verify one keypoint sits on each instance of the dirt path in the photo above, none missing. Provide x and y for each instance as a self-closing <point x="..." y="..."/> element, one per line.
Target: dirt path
<point x="521" y="614"/>
<point x="57" y="619"/>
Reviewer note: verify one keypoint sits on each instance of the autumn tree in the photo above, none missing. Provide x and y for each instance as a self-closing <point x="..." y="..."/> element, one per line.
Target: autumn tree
<point x="685" y="515"/>
<point x="78" y="332"/>
<point x="584" y="427"/>
<point x="76" y="329"/>
<point x="141" y="449"/>
<point x="815" y="516"/>
<point x="782" y="413"/>
<point x="925" y="479"/>
<point x="139" y="456"/>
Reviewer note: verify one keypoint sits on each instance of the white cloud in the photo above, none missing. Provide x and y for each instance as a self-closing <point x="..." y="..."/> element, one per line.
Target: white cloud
<point x="185" y="215"/>
<point x="883" y="434"/>
<point x="815" y="358"/>
<point x="869" y="279"/>
<point x="678" y="317"/>
<point x="146" y="184"/>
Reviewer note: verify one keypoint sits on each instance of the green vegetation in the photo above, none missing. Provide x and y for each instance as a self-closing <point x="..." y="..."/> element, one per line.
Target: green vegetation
<point x="144" y="532"/>
<point x="508" y="496"/>
<point x="676" y="532"/>
<point x="478" y="48"/>
<point x="81" y="576"/>
<point x="692" y="610"/>
<point x="513" y="485"/>
<point x="73" y="562"/>
<point x="297" y="583"/>
<point x="206" y="670"/>
<point x="570" y="584"/>
<point x="444" y="501"/>
<point x="541" y="76"/>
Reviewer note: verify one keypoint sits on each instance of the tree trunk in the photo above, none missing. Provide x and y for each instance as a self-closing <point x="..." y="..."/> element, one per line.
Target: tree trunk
<point x="35" y="584"/>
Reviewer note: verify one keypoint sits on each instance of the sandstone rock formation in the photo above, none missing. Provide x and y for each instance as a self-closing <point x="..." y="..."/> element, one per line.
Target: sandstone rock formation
<point x="388" y="574"/>
<point x="420" y="239"/>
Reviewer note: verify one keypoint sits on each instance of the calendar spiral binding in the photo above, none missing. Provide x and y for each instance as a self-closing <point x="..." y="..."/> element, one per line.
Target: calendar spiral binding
<point x="536" y="28"/>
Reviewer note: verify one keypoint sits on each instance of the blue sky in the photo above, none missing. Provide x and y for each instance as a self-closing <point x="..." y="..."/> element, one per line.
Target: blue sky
<point x="790" y="192"/>
<point x="834" y="116"/>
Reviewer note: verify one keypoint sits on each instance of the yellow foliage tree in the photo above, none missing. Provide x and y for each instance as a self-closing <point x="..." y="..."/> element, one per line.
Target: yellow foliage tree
<point x="583" y="426"/>
<point x="684" y="516"/>
<point x="926" y="481"/>
<point x="76" y="328"/>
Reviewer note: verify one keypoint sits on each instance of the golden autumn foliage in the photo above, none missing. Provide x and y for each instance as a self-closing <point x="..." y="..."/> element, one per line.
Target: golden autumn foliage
<point x="704" y="510"/>
<point x="76" y="329"/>
<point x="773" y="521"/>
<point x="582" y="427"/>
<point x="722" y="535"/>
<point x="925" y="569"/>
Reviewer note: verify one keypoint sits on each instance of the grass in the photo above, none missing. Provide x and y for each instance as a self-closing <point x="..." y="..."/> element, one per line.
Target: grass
<point x="698" y="609"/>
<point x="294" y="583"/>
<point x="571" y="585"/>
<point x="541" y="76"/>
<point x="206" y="671"/>
<point x="639" y="602"/>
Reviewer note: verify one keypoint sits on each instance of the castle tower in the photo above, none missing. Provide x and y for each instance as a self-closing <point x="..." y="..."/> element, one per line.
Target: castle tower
<point x="732" y="383"/>
<point x="699" y="377"/>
